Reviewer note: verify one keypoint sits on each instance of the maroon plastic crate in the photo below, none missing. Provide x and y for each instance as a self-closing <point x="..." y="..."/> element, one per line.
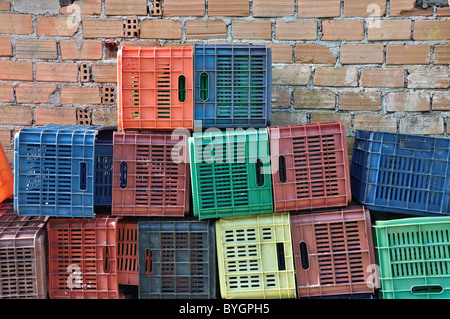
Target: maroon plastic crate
<point x="23" y="273"/>
<point x="147" y="180"/>
<point x="82" y="258"/>
<point x="333" y="252"/>
<point x="127" y="253"/>
<point x="310" y="166"/>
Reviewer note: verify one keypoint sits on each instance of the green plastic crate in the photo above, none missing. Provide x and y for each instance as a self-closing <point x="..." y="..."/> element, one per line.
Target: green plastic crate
<point x="230" y="173"/>
<point x="414" y="257"/>
<point x="255" y="257"/>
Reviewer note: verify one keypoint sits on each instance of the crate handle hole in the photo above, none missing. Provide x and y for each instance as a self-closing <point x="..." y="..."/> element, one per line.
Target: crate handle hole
<point x="281" y="257"/>
<point x="282" y="168"/>
<point x="106" y="260"/>
<point x="123" y="174"/>
<point x="148" y="262"/>
<point x="181" y="88"/>
<point x="427" y="289"/>
<point x="204" y="94"/>
<point x="259" y="174"/>
<point x="304" y="255"/>
<point x="83" y="176"/>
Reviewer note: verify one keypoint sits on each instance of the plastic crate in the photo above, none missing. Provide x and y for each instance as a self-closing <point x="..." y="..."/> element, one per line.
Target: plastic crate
<point x="127" y="253"/>
<point x="155" y="88"/>
<point x="62" y="170"/>
<point x="6" y="207"/>
<point x="6" y="177"/>
<point x="82" y="258"/>
<point x="177" y="259"/>
<point x="230" y="173"/>
<point x="310" y="166"/>
<point x="232" y="85"/>
<point x="414" y="257"/>
<point x="148" y="179"/>
<point x="401" y="173"/>
<point x="255" y="257"/>
<point x="334" y="252"/>
<point x="23" y="272"/>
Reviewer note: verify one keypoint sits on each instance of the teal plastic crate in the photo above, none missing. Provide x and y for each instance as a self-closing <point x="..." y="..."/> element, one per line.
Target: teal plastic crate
<point x="414" y="257"/>
<point x="230" y="173"/>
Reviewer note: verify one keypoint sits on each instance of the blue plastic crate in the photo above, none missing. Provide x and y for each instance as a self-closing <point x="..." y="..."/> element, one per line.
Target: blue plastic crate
<point x="62" y="170"/>
<point x="401" y="173"/>
<point x="232" y="85"/>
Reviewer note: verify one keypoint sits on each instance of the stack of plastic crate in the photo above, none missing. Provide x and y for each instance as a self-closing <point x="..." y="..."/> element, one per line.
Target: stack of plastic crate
<point x="404" y="179"/>
<point x="6" y="177"/>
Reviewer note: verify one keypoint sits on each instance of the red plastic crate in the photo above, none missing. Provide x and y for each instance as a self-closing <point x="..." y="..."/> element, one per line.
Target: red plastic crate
<point x="333" y="252"/>
<point x="147" y="179"/>
<point x="127" y="253"/>
<point x="82" y="258"/>
<point x="23" y="272"/>
<point x="6" y="177"/>
<point x="155" y="88"/>
<point x="310" y="166"/>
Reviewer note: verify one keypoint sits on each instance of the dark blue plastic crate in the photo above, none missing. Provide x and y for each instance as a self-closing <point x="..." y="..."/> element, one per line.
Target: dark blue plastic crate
<point x="62" y="170"/>
<point x="401" y="173"/>
<point x="177" y="259"/>
<point x="232" y="85"/>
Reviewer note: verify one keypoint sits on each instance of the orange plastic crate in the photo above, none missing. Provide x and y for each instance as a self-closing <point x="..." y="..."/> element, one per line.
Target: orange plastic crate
<point x="6" y="177"/>
<point x="127" y="253"/>
<point x="82" y="258"/>
<point x="310" y="166"/>
<point x="155" y="88"/>
<point x="333" y="252"/>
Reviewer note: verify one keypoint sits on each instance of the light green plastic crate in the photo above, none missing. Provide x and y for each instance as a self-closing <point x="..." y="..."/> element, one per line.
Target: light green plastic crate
<point x="414" y="257"/>
<point x="230" y="173"/>
<point x="255" y="257"/>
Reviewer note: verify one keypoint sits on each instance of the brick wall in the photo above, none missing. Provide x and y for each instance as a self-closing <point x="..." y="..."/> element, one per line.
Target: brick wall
<point x="373" y="64"/>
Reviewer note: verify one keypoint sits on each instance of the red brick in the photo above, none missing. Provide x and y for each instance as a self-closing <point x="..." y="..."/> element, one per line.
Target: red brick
<point x="431" y="30"/>
<point x="430" y="78"/>
<point x="5" y="5"/>
<point x="16" y="115"/>
<point x="382" y="77"/>
<point x="104" y="72"/>
<point x="408" y="101"/>
<point x="283" y="118"/>
<point x="313" y="53"/>
<point x="362" y="53"/>
<point x="16" y="23"/>
<point x="359" y="101"/>
<point x="99" y="28"/>
<point x="84" y="7"/>
<point x="281" y="97"/>
<point x="407" y="8"/>
<point x="271" y="8"/>
<point x="5" y="138"/>
<point x="364" y="8"/>
<point x="331" y="76"/>
<point x="34" y="92"/>
<point x="6" y="93"/>
<point x="125" y="7"/>
<point x="314" y="99"/>
<point x="407" y="54"/>
<point x="209" y="29"/>
<point x="141" y="43"/>
<point x="319" y="8"/>
<point x="441" y="102"/>
<point x="106" y="116"/>
<point x="281" y="52"/>
<point x="55" y="27"/>
<point x="423" y="124"/>
<point x="161" y="29"/>
<point x="296" y="30"/>
<point x="394" y="29"/>
<point x="56" y="72"/>
<point x="80" y="95"/>
<point x="251" y="30"/>
<point x="58" y="115"/>
<point x="228" y="8"/>
<point x="184" y="8"/>
<point x="16" y="70"/>
<point x="36" y="49"/>
<point x="291" y="74"/>
<point x="442" y="54"/>
<point x="342" y="30"/>
<point x="85" y="50"/>
<point x="443" y="12"/>
<point x="376" y="122"/>
<point x="328" y="116"/>
<point x="5" y="46"/>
